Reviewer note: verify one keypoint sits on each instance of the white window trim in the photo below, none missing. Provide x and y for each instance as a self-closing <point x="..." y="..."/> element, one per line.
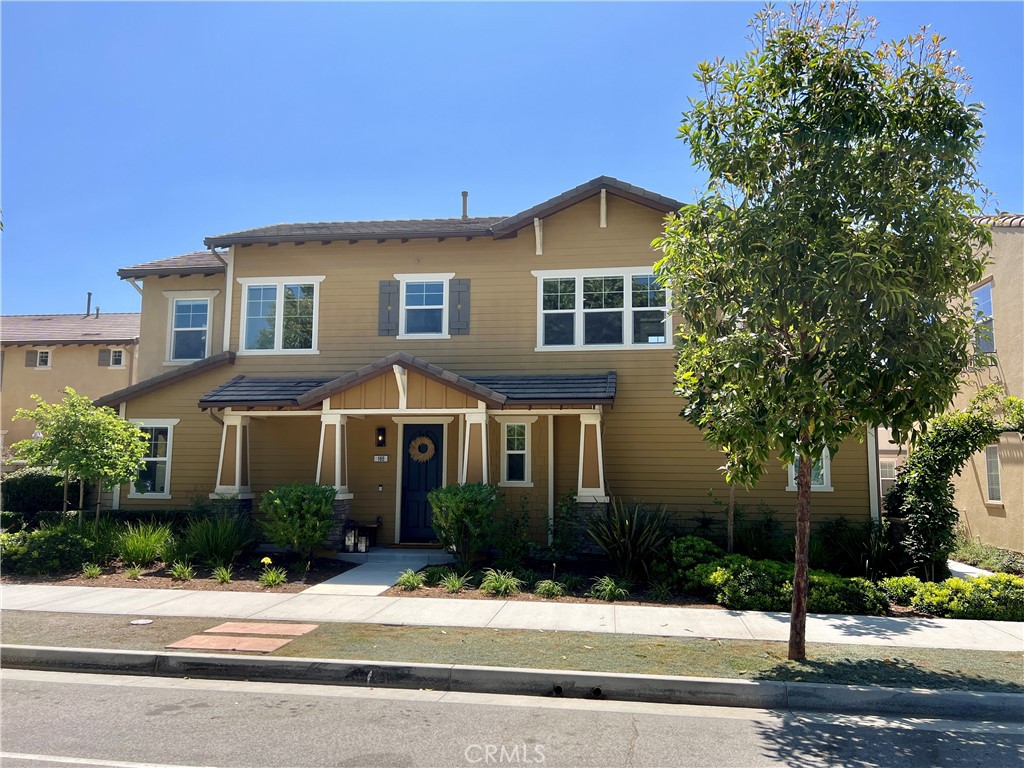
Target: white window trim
<point x="49" y="358"/>
<point x="990" y="283"/>
<point x="627" y="273"/>
<point x="999" y="477"/>
<point x="826" y="475"/>
<point x="124" y="358"/>
<point x="443" y="278"/>
<point x="173" y="296"/>
<point x="889" y="462"/>
<point x="528" y="421"/>
<point x="169" y="424"/>
<point x="280" y="283"/>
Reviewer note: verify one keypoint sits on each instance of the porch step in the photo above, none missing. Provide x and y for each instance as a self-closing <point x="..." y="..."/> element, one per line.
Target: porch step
<point x="397" y="556"/>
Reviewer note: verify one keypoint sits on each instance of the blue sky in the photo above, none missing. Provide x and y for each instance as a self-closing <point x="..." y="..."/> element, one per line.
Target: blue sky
<point x="131" y="131"/>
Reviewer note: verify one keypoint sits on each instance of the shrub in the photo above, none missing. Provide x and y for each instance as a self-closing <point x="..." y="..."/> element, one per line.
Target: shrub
<point x="143" y="543"/>
<point x="133" y="572"/>
<point x="661" y="591"/>
<point x="217" y="540"/>
<point x="857" y="550"/>
<point x="435" y="574"/>
<point x="31" y="490"/>
<point x="298" y="516"/>
<point x="182" y="570"/>
<point x="222" y="574"/>
<point x="11" y="522"/>
<point x="500" y="583"/>
<point x="828" y="593"/>
<point x="901" y="589"/>
<point x="744" y="584"/>
<point x="567" y="529"/>
<point x="271" y="576"/>
<point x="464" y="518"/>
<point x="105" y="537"/>
<point x="999" y="597"/>
<point x="48" y="550"/>
<point x="573" y="582"/>
<point x="511" y="536"/>
<point x="528" y="577"/>
<point x="631" y="536"/>
<point x="410" y="580"/>
<point x="454" y="583"/>
<point x="762" y="537"/>
<point x="973" y="552"/>
<point x="549" y="588"/>
<point x="609" y="588"/>
<point x="686" y="553"/>
<point x="91" y="571"/>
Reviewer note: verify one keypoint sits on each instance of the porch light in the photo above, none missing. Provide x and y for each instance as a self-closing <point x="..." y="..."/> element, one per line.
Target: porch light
<point x="381" y="437"/>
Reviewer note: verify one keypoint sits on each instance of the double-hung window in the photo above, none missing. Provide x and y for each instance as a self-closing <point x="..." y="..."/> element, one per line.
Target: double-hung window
<point x="984" y="332"/>
<point x="424" y="305"/>
<point x="280" y="315"/>
<point x="625" y="307"/>
<point x="993" y="487"/>
<point x="821" y="473"/>
<point x="515" y="450"/>
<point x="154" y="479"/>
<point x="44" y="359"/>
<point x="191" y="313"/>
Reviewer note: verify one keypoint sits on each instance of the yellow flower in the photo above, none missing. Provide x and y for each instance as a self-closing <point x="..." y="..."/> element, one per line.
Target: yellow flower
<point x="266" y="561"/>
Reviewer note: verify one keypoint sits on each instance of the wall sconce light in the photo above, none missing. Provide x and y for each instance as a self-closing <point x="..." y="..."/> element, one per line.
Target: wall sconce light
<point x="381" y="438"/>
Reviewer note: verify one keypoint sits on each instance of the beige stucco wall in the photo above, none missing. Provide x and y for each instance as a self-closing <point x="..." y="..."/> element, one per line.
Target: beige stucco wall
<point x="154" y="358"/>
<point x="71" y="366"/>
<point x="1000" y="524"/>
<point x="650" y="453"/>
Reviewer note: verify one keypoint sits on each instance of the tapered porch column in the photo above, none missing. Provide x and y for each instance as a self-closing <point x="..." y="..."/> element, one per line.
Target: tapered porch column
<point x="332" y="464"/>
<point x="233" y="466"/>
<point x="591" y="488"/>
<point x="474" y="457"/>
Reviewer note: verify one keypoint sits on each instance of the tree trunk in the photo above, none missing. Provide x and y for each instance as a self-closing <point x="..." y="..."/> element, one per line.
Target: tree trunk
<point x="730" y="521"/>
<point x="81" y="500"/>
<point x="798" y="613"/>
<point x="99" y="498"/>
<point x="67" y="479"/>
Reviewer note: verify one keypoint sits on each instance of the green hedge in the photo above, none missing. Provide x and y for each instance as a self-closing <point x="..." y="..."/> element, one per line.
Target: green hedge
<point x="31" y="490"/>
<point x="999" y="597"/>
<point x="59" y="549"/>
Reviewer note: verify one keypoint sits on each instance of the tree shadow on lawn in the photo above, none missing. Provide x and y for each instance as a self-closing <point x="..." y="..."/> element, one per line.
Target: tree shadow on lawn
<point x="893" y="673"/>
<point x="866" y="626"/>
<point x="836" y="740"/>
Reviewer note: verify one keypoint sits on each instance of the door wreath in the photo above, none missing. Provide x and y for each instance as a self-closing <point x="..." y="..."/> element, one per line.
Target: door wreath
<point x="421" y="449"/>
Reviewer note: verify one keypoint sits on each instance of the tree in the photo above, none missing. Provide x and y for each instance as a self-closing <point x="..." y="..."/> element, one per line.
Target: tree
<point x="83" y="440"/>
<point x="822" y="275"/>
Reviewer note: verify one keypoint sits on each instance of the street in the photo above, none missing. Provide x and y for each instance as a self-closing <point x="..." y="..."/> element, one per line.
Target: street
<point x="52" y="719"/>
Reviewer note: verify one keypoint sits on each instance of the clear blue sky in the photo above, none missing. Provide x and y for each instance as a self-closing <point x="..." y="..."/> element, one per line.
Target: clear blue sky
<point x="131" y="131"/>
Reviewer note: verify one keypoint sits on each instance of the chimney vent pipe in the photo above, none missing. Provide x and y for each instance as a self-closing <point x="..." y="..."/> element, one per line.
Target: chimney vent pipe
<point x="465" y="205"/>
<point x="97" y="312"/>
<point x="88" y="303"/>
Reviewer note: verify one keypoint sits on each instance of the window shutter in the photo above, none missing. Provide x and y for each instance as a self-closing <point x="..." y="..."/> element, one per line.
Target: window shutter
<point x="104" y="357"/>
<point x="31" y="358"/>
<point x="387" y="313"/>
<point x="458" y="307"/>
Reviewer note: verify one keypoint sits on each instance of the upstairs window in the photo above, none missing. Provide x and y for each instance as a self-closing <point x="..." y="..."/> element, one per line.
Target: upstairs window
<point x="111" y="358"/>
<point x="601" y="308"/>
<point x="984" y="336"/>
<point x="39" y="358"/>
<point x="190" y="329"/>
<point x="280" y="316"/>
<point x="424" y="305"/>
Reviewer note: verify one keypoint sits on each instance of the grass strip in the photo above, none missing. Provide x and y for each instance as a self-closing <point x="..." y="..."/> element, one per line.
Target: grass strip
<point x="601" y="652"/>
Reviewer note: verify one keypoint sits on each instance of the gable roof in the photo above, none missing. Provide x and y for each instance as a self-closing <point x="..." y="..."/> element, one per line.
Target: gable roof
<point x="167" y="379"/>
<point x="113" y="328"/>
<point x="504" y="391"/>
<point x="195" y="263"/>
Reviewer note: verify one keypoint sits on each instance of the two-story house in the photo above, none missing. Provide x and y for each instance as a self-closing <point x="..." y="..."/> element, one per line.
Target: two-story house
<point x="388" y="357"/>
<point x="93" y="353"/>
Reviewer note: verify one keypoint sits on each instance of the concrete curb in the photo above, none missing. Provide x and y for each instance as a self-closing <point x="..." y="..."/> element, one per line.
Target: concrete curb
<point x="840" y="699"/>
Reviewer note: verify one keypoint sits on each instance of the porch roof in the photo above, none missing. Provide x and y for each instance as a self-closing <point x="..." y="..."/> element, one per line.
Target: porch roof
<point x="498" y="391"/>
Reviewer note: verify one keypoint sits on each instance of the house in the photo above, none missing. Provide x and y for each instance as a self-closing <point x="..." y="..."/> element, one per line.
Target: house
<point x="990" y="489"/>
<point x="42" y="354"/>
<point x="389" y="357"/>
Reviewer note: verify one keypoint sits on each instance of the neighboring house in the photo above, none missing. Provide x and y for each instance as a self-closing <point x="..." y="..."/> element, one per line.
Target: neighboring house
<point x="42" y="354"/>
<point x="388" y="357"/>
<point x="990" y="490"/>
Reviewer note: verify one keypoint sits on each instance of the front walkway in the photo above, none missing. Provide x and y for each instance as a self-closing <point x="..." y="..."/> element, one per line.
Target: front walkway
<point x="512" y="614"/>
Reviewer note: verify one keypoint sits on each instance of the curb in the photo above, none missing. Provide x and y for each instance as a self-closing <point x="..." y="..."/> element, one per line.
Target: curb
<point x="768" y="694"/>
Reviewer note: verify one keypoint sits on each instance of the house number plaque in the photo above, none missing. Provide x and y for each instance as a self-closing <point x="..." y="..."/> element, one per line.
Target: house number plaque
<point x="380" y="459"/>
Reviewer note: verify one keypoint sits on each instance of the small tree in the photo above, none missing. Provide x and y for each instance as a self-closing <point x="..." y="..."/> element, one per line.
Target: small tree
<point x="822" y="276"/>
<point x="463" y="518"/>
<point x="82" y="440"/>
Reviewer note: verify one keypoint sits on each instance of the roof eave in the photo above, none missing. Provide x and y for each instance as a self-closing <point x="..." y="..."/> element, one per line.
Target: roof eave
<point x="129" y="273"/>
<point x="166" y="379"/>
<point x="229" y="240"/>
<point x="68" y="342"/>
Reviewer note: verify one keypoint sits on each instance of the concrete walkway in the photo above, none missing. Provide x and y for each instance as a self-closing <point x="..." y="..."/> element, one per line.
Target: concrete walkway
<point x="965" y="571"/>
<point x="378" y="570"/>
<point x="512" y="614"/>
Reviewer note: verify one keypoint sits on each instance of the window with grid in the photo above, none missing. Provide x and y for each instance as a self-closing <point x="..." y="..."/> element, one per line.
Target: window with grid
<point x="984" y="331"/>
<point x="280" y="316"/>
<point x="423" y="308"/>
<point x="154" y="474"/>
<point x="191" y="322"/>
<point x="995" y="492"/>
<point x="516" y="453"/>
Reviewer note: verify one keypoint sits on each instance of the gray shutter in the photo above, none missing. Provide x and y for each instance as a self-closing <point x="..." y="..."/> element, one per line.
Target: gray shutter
<point x="388" y="309"/>
<point x="104" y="357"/>
<point x="31" y="358"/>
<point x="458" y="307"/>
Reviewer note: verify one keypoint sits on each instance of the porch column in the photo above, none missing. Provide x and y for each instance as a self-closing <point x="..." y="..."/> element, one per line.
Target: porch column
<point x="233" y="467"/>
<point x="474" y="457"/>
<point x="332" y="464"/>
<point x="591" y="489"/>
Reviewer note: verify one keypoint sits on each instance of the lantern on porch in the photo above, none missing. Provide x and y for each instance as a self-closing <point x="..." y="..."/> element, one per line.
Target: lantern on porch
<point x="350" y="540"/>
<point x="362" y="543"/>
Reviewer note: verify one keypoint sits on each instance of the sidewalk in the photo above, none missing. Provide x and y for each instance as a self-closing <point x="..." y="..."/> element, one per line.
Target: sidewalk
<point x="511" y="614"/>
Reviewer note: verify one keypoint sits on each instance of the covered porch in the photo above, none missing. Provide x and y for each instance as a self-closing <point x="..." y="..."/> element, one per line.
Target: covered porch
<point x="388" y="433"/>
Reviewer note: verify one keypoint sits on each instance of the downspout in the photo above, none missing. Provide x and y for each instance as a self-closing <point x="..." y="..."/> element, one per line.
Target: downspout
<point x="229" y="275"/>
<point x="873" y="488"/>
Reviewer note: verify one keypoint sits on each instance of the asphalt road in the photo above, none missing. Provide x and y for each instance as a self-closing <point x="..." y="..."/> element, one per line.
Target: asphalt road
<point x="58" y="719"/>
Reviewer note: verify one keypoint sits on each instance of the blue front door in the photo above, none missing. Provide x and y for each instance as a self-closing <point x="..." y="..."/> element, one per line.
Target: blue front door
<point x="422" y="454"/>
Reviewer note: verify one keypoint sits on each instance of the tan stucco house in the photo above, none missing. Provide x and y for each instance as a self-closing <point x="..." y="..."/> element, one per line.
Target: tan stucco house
<point x="388" y="357"/>
<point x="990" y="490"/>
<point x="94" y="353"/>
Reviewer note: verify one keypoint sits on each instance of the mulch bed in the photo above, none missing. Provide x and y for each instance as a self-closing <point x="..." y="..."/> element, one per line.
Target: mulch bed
<point x="635" y="598"/>
<point x="243" y="579"/>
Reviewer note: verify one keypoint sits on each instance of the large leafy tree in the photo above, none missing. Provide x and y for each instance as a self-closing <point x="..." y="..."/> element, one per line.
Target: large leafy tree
<point x="822" y="276"/>
<point x="83" y="441"/>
